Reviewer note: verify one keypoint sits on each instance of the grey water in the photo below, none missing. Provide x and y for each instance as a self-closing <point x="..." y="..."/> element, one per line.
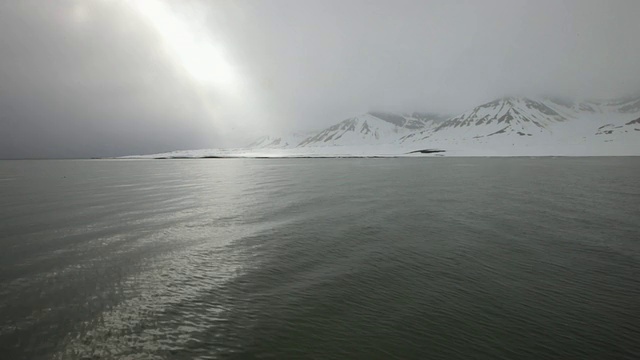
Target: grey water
<point x="422" y="258"/>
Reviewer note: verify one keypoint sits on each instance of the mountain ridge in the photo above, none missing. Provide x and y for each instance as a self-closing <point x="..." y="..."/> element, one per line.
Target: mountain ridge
<point x="506" y="126"/>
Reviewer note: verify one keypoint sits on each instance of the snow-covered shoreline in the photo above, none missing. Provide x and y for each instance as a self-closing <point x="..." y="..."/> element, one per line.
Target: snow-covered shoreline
<point x="613" y="149"/>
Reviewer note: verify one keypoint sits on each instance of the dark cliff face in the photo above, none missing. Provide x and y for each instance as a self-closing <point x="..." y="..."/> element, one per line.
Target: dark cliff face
<point x="609" y="129"/>
<point x="634" y="122"/>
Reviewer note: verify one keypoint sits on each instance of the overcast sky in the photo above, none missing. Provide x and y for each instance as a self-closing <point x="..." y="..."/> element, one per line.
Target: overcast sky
<point x="82" y="78"/>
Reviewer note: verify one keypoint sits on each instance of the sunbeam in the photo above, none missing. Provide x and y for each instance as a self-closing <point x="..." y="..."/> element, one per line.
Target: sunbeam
<point x="189" y="45"/>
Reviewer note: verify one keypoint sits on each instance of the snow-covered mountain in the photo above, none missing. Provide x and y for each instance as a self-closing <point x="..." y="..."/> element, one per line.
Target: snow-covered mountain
<point x="369" y="129"/>
<point x="537" y="126"/>
<point x="372" y="128"/>
<point x="503" y="127"/>
<point x="509" y="115"/>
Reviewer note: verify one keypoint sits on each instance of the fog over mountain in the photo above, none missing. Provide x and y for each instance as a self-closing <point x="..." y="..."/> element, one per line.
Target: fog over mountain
<point x="82" y="78"/>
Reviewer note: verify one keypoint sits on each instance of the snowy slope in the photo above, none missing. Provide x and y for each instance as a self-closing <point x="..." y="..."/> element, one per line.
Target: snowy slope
<point x="522" y="126"/>
<point x="611" y="129"/>
<point x="361" y="130"/>
<point x="371" y="129"/>
<point x="506" y="116"/>
<point x="601" y="121"/>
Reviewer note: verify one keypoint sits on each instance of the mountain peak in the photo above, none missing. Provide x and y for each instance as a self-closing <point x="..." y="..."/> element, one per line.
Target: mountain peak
<point x="505" y="115"/>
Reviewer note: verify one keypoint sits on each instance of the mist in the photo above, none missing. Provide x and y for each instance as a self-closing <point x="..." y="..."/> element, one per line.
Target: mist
<point x="85" y="78"/>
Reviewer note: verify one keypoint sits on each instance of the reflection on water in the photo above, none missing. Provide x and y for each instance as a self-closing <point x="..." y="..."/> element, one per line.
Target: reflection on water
<point x="367" y="258"/>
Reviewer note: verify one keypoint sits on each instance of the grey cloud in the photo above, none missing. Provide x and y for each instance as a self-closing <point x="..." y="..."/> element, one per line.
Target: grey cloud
<point x="95" y="89"/>
<point x="104" y="86"/>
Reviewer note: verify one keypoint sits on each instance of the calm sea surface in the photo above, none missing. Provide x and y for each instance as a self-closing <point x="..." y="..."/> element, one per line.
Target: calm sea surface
<point x="432" y="258"/>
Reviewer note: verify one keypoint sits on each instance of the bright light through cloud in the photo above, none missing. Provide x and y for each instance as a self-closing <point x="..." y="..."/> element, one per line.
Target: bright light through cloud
<point x="190" y="45"/>
<point x="80" y="13"/>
